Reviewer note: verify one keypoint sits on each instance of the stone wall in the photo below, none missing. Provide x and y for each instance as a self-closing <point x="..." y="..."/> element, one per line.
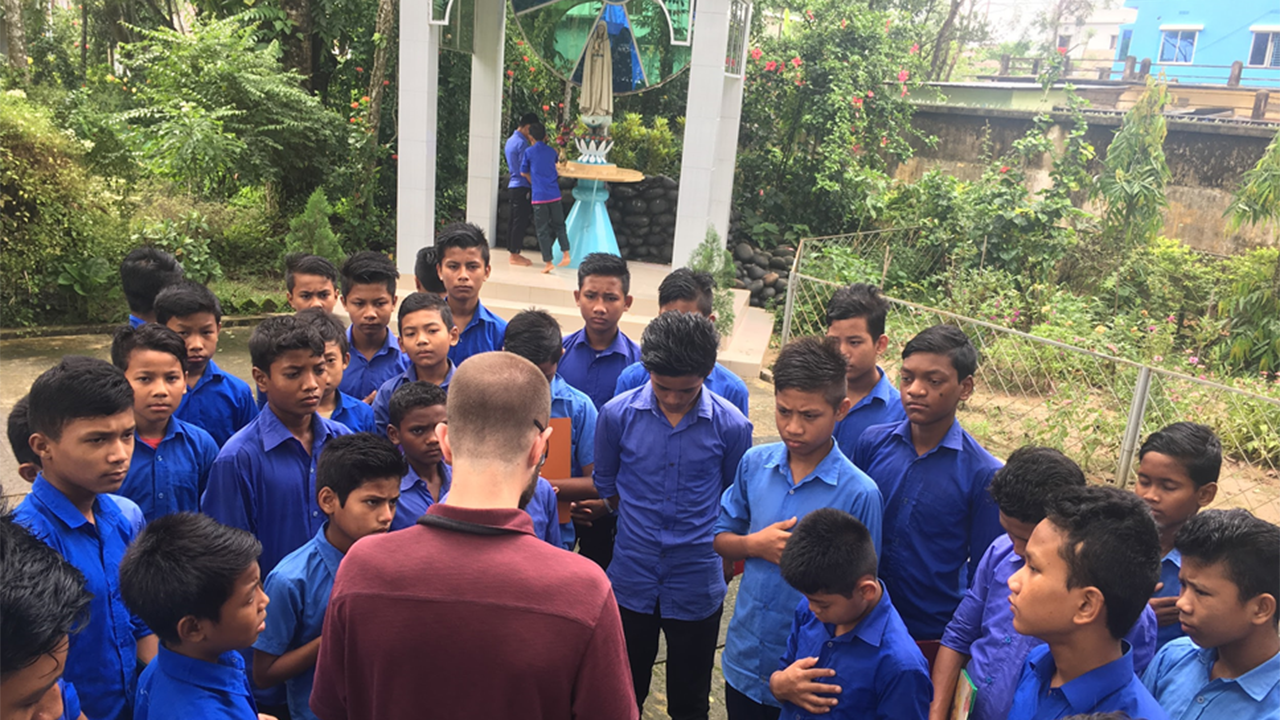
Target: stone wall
<point x="764" y="273"/>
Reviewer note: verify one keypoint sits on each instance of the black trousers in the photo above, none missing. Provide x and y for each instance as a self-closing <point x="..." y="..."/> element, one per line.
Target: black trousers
<point x="548" y="219"/>
<point x="741" y="707"/>
<point x="691" y="655"/>
<point x="595" y="541"/>
<point x="521" y="216"/>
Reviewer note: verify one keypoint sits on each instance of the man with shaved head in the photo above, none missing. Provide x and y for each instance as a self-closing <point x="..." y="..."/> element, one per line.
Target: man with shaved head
<point x="467" y="613"/>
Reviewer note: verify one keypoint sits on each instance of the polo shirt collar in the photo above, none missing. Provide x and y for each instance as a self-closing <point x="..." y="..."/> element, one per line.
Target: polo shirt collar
<point x="412" y="478"/>
<point x="482" y="315"/>
<point x="225" y="676"/>
<point x="647" y="400"/>
<point x="211" y="373"/>
<point x="62" y="507"/>
<point x="517" y="134"/>
<point x="1174" y="556"/>
<point x="617" y="347"/>
<point x="410" y="374"/>
<point x="1083" y="692"/>
<point x="954" y="439"/>
<point x="882" y="390"/>
<point x="513" y="519"/>
<point x="389" y="343"/>
<point x="560" y="388"/>
<point x="274" y="433"/>
<point x="1257" y="683"/>
<point x="870" y="629"/>
<point x="171" y="430"/>
<point x="828" y="469"/>
<point x="329" y="554"/>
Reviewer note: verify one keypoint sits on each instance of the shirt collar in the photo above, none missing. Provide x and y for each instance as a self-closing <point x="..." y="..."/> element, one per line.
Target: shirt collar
<point x="827" y="470"/>
<point x="617" y="347"/>
<point x="1083" y="692"/>
<point x="1174" y="557"/>
<point x="954" y="439"/>
<point x="211" y="373"/>
<point x="172" y="429"/>
<point x="869" y="629"/>
<point x="482" y="315"/>
<point x="560" y="388"/>
<point x="411" y="374"/>
<point x="328" y="553"/>
<point x="1257" y="683"/>
<point x="389" y="344"/>
<point x="513" y="519"/>
<point x="227" y="675"/>
<point x="412" y="478"/>
<point x="882" y="390"/>
<point x="274" y="433"/>
<point x="62" y="507"/>
<point x="517" y="134"/>
<point x="646" y="400"/>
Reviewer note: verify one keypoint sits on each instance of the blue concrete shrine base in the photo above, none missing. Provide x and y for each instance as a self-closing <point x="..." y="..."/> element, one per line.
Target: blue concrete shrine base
<point x="589" y="227"/>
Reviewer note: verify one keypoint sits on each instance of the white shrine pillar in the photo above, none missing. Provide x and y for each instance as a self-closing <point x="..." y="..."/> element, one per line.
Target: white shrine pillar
<point x="485" y="144"/>
<point x="418" y="85"/>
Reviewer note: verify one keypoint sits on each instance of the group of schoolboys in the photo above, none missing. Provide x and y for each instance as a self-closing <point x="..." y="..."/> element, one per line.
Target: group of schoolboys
<point x="877" y="528"/>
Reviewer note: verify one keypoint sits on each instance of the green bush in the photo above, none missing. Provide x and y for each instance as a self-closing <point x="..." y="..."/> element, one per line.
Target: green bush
<point x="653" y="150"/>
<point x="311" y="233"/>
<point x="188" y="241"/>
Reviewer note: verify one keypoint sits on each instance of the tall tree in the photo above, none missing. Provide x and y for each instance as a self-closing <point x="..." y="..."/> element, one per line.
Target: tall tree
<point x="297" y="45"/>
<point x="15" y="36"/>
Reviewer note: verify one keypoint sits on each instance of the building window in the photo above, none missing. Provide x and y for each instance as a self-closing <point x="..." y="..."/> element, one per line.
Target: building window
<point x="1266" y="50"/>
<point x="1177" y="46"/>
<point x="1114" y="39"/>
<point x="1126" y="37"/>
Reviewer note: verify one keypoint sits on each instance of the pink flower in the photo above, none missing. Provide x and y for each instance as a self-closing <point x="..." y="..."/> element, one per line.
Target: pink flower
<point x="511" y="73"/>
<point x="546" y="108"/>
<point x="809" y="14"/>
<point x="1004" y="169"/>
<point x="844" y="24"/>
<point x="915" y="48"/>
<point x="904" y="91"/>
<point x="1158" y="358"/>
<point x="770" y="66"/>
<point x="871" y="93"/>
<point x="359" y="69"/>
<point x="761" y="192"/>
<point x="884" y="140"/>
<point x="796" y="61"/>
<point x="887" y="23"/>
<point x="1171" y="319"/>
<point x="1193" y="360"/>
<point x="1062" y="51"/>
<point x="756" y="53"/>
<point x="857" y="148"/>
<point x="903" y="75"/>
<point x="1151" y="328"/>
<point x="857" y="101"/>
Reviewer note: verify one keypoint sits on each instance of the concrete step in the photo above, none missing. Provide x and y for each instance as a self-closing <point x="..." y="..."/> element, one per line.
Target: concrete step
<point x="745" y="352"/>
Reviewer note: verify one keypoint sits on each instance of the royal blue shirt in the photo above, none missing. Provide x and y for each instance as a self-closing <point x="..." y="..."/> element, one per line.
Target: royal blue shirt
<point x="220" y="404"/>
<point x="570" y="402"/>
<point x="669" y="481"/>
<point x="352" y="412"/>
<point x="721" y="382"/>
<point x="131" y="513"/>
<point x="1169" y="566"/>
<point x="938" y="519"/>
<point x="170" y="477"/>
<point x="765" y="492"/>
<point x="101" y="657"/>
<point x="514" y="150"/>
<point x="70" y="701"/>
<point x="483" y="333"/>
<point x="264" y="481"/>
<point x="542" y="509"/>
<point x="135" y="322"/>
<point x="540" y="162"/>
<point x="879" y="669"/>
<point x="881" y="406"/>
<point x="177" y="686"/>
<point x="1179" y="679"/>
<point x="1108" y="688"/>
<point x="382" y="401"/>
<point x="364" y="375"/>
<point x="596" y="372"/>
<point x="982" y="628"/>
<point x="299" y="590"/>
<point x="415" y="497"/>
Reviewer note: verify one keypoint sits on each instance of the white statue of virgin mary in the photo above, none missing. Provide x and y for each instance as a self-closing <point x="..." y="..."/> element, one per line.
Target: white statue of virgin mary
<point x="596" y="103"/>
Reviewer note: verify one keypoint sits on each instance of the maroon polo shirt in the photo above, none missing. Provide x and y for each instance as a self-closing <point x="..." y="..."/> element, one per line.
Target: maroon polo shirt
<point x="447" y="623"/>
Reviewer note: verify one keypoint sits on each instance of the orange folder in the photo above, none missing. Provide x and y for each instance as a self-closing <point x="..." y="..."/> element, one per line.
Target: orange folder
<point x="559" y="459"/>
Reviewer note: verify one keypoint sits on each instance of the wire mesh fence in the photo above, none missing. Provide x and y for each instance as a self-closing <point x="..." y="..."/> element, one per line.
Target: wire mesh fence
<point x="1029" y="390"/>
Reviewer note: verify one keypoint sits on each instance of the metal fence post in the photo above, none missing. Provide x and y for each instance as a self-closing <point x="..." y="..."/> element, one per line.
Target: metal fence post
<point x="790" y="307"/>
<point x="1133" y="430"/>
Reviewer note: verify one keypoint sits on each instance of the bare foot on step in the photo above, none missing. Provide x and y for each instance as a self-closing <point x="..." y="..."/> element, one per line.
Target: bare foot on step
<point x="518" y="259"/>
<point x="548" y="268"/>
<point x="564" y="260"/>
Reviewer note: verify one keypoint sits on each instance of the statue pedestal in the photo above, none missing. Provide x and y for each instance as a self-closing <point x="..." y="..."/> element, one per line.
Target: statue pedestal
<point x="588" y="224"/>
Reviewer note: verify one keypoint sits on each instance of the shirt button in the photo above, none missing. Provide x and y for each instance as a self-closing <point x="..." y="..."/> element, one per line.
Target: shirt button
<point x="1200" y="699"/>
<point x="315" y="513"/>
<point x="161" y="496"/>
<point x="829" y="644"/>
<point x="791" y="492"/>
<point x="1008" y="640"/>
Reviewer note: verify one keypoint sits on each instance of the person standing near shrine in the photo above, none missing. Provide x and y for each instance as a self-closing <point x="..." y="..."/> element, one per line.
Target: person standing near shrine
<point x="521" y="208"/>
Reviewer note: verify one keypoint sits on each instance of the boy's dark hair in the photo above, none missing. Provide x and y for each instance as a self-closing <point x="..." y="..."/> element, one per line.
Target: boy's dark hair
<point x="812" y="364"/>
<point x="328" y="326"/>
<point x="42" y="598"/>
<point x="77" y="387"/>
<point x="1249" y="549"/>
<point x="1111" y="544"/>
<point x="605" y="265"/>
<point x="425" y="301"/>
<point x="1193" y="445"/>
<point x="278" y="335"/>
<point x="461" y="235"/>
<point x="369" y="267"/>
<point x="1029" y="477"/>
<point x="184" y="299"/>
<point x="184" y="564"/>
<point x="538" y="131"/>
<point x="349" y="461"/>
<point x="859" y="300"/>
<point x="305" y="264"/>
<point x="677" y="344"/>
<point x="144" y="273"/>
<point x="414" y="395"/>
<point x="829" y="551"/>
<point x="946" y="340"/>
<point x="535" y="336"/>
<point x="152" y="336"/>
<point x="527" y="119"/>
<point x="19" y="429"/>
<point x="689" y="286"/>
<point x="424" y="268"/>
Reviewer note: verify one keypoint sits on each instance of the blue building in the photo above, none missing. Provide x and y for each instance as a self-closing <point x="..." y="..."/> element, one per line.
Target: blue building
<point x="1196" y="41"/>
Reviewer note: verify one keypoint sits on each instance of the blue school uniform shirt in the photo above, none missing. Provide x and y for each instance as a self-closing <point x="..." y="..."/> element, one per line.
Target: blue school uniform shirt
<point x="70" y="700"/>
<point x="1107" y="688"/>
<point x="102" y="657"/>
<point x="881" y="406"/>
<point x="483" y="333"/>
<point x="938" y="519"/>
<point x="539" y="161"/>
<point x="382" y="401"/>
<point x="131" y="513"/>
<point x="1179" y="680"/>
<point x="596" y="372"/>
<point x="764" y="492"/>
<point x="879" y="669"/>
<point x="352" y="412"/>
<point x="170" y="477"/>
<point x="669" y="481"/>
<point x="177" y="686"/>
<point x="542" y="510"/>
<point x="514" y="150"/>
<point x="364" y="375"/>
<point x="299" y="590"/>
<point x="1170" y="565"/>
<point x="721" y="382"/>
<point x="220" y="403"/>
<point x="415" y="497"/>
<point x="135" y="322"/>
<point x="264" y="482"/>
<point x="982" y="628"/>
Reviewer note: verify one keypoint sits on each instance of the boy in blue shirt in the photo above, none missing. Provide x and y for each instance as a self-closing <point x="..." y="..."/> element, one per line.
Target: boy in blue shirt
<point x="216" y="401"/>
<point x="855" y="319"/>
<point x="143" y="274"/>
<point x="1229" y="665"/>
<point x="849" y="654"/>
<point x="1177" y="475"/>
<point x="462" y="262"/>
<point x="171" y="458"/>
<point x="777" y="484"/>
<point x="518" y="188"/>
<point x="427" y="335"/>
<point x="665" y="453"/>
<point x="939" y="518"/>
<point x="686" y="291"/>
<point x="980" y="637"/>
<point x="197" y="585"/>
<point x="83" y="431"/>
<point x="335" y="404"/>
<point x="358" y="481"/>
<point x="369" y="296"/>
<point x="310" y="281"/>
<point x="1091" y="565"/>
<point x="416" y="409"/>
<point x="538" y="166"/>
